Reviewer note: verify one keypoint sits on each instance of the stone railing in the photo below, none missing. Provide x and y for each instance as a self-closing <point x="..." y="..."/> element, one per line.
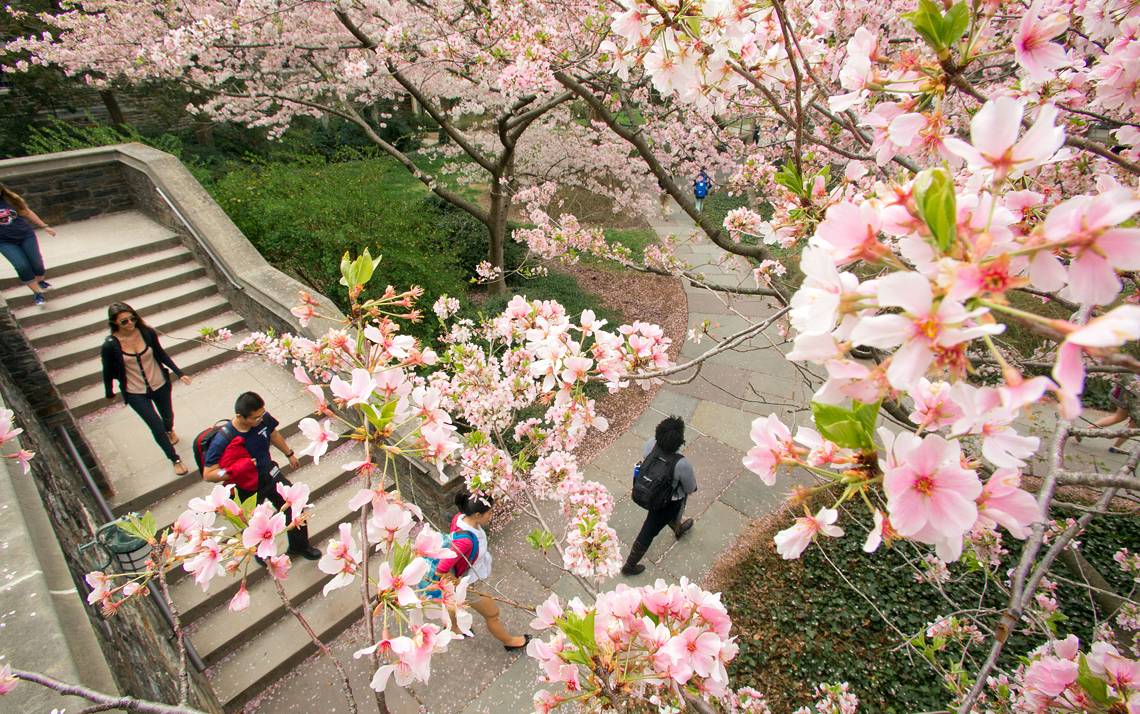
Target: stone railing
<point x="74" y="185"/>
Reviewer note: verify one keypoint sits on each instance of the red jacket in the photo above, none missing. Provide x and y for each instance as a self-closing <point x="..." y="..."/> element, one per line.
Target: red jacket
<point x="241" y="469"/>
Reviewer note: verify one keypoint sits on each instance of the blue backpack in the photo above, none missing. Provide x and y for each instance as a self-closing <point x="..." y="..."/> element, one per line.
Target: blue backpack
<point x="701" y="188"/>
<point x="431" y="577"/>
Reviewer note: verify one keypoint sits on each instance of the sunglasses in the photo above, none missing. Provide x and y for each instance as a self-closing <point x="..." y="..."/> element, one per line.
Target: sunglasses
<point x="127" y="321"/>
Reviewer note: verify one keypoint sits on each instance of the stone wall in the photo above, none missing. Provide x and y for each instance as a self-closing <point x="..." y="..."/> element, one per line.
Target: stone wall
<point x="136" y="642"/>
<point x="75" y="194"/>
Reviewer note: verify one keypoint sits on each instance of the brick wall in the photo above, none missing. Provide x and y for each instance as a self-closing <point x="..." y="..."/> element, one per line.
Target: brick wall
<point x="76" y="194"/>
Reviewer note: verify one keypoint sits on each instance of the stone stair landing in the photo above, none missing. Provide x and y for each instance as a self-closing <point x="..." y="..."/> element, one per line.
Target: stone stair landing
<point x="128" y="257"/>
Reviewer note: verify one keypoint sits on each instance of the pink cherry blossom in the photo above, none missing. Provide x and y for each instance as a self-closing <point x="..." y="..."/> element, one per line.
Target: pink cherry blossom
<point x="8" y="681"/>
<point x="1032" y="46"/>
<point x="7" y="433"/>
<point x="206" y="564"/>
<point x="850" y="232"/>
<point x="264" y="526"/>
<point x="358" y="392"/>
<point x="994" y="148"/>
<point x="773" y="446"/>
<point x="1050" y="676"/>
<point x="546" y="615"/>
<point x="341" y="559"/>
<point x="694" y="649"/>
<point x="402" y="584"/>
<point x="240" y="600"/>
<point x="296" y="497"/>
<point x="791" y="542"/>
<point x="1087" y="225"/>
<point x="930" y="497"/>
<point x="921" y="330"/>
<point x="279" y="566"/>
<point x="319" y="435"/>
<point x="219" y="501"/>
<point x="1004" y="503"/>
<point x="1113" y="329"/>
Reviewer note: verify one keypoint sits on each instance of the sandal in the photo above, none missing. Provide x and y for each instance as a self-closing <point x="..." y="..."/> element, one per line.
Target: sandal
<point x="173" y="437"/>
<point x="1115" y="450"/>
<point x="180" y="469"/>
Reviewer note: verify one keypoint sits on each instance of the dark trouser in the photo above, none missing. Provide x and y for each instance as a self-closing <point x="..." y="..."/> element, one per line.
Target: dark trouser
<point x="25" y="257"/>
<point x="656" y="520"/>
<point x="267" y="491"/>
<point x="157" y="411"/>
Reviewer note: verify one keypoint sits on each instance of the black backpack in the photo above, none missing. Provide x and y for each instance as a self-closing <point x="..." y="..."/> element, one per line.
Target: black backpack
<point x="653" y="485"/>
<point x="205" y="437"/>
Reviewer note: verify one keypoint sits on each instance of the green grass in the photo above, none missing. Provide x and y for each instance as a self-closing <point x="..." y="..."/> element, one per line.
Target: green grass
<point x="636" y="239"/>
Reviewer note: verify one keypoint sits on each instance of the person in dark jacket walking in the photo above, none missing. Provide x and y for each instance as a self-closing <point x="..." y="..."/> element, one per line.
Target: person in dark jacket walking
<point x="243" y="445"/>
<point x="669" y="436"/>
<point x="19" y="244"/>
<point x="133" y="357"/>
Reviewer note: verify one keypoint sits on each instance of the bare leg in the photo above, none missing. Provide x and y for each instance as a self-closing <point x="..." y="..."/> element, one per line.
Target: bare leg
<point x="34" y="286"/>
<point x="1115" y="418"/>
<point x="1120" y="442"/>
<point x="489" y="609"/>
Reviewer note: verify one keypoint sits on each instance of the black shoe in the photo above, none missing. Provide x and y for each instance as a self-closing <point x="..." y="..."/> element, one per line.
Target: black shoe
<point x="683" y="528"/>
<point x="526" y="641"/>
<point x="635" y="569"/>
<point x="308" y="553"/>
<point x="1116" y="450"/>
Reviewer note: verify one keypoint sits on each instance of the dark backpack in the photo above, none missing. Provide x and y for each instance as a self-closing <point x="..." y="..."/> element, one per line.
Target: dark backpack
<point x="655" y="479"/>
<point x="206" y="437"/>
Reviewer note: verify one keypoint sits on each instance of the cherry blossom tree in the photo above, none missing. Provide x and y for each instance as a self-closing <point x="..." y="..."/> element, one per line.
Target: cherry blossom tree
<point x="263" y="64"/>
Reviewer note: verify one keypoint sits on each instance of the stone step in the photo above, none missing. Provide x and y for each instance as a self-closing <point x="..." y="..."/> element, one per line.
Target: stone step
<point x="282" y="646"/>
<point x="162" y="319"/>
<point x="156" y="240"/>
<point x="80" y="280"/>
<point x="89" y="370"/>
<point x="326" y="481"/>
<point x="79" y="323"/>
<point x="220" y="632"/>
<point x="141" y="495"/>
<point x="99" y="297"/>
<point x="174" y="327"/>
<point x="92" y="397"/>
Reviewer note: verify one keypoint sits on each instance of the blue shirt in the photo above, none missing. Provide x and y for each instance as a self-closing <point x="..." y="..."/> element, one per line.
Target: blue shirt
<point x="13" y="227"/>
<point x="256" y="443"/>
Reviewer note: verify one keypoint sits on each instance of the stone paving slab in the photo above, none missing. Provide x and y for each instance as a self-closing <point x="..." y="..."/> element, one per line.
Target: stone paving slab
<point x="693" y="556"/>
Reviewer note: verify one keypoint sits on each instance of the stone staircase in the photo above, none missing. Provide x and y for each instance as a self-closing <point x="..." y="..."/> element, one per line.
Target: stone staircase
<point x="129" y="257"/>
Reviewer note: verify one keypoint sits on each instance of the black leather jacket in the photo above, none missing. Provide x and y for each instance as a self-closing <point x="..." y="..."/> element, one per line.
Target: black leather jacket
<point x="114" y="370"/>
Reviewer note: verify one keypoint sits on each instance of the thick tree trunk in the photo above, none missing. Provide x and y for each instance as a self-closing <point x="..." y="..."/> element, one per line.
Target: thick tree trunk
<point x="113" y="108"/>
<point x="497" y="227"/>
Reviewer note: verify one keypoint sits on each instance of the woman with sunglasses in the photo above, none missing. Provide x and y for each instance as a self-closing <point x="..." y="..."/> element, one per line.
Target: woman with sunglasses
<point x="133" y="356"/>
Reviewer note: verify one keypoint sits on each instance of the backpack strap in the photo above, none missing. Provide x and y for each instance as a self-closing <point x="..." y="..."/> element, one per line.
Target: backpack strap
<point x="468" y="561"/>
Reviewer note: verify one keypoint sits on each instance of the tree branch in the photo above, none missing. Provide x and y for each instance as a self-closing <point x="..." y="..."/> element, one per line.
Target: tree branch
<point x="106" y="701"/>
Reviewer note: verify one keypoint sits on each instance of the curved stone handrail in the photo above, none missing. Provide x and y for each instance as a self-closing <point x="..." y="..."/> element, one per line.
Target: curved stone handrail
<point x="221" y="242"/>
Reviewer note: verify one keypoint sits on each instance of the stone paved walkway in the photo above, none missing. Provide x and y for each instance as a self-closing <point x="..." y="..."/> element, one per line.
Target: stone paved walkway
<point x="718" y="406"/>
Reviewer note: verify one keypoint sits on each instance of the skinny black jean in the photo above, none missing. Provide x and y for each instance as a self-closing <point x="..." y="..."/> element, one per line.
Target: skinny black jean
<point x="656" y="520"/>
<point x="157" y="411"/>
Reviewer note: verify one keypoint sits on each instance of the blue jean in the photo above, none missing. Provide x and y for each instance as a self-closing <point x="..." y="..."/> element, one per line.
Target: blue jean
<point x="25" y="257"/>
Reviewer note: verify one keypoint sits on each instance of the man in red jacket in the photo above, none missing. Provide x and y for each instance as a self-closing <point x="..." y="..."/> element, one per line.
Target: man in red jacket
<point x="239" y="454"/>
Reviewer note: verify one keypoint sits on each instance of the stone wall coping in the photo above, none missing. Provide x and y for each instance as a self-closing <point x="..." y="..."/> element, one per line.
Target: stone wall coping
<point x="222" y="239"/>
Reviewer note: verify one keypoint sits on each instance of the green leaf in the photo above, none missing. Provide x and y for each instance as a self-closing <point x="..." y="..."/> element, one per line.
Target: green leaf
<point x="540" y="539"/>
<point x="842" y="426"/>
<point x="934" y="197"/>
<point x="359" y="271"/>
<point x="867" y="415"/>
<point x="790" y="178"/>
<point x="345" y="270"/>
<point x="249" y="504"/>
<point x="1093" y="685"/>
<point x="579" y="630"/>
<point x="927" y="22"/>
<point x="955" y="23"/>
